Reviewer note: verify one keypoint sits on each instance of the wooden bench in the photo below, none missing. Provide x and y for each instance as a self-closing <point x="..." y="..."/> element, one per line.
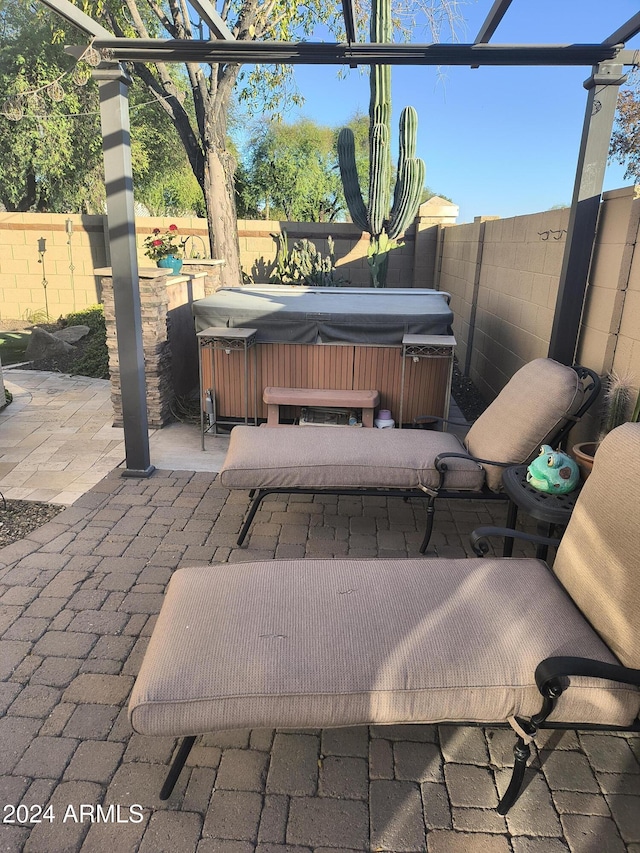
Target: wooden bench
<point x="276" y="397"/>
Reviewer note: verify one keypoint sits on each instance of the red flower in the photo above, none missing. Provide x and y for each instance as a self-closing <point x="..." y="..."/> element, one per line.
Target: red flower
<point x="173" y="228"/>
<point x="156" y="242"/>
<point x="156" y="230"/>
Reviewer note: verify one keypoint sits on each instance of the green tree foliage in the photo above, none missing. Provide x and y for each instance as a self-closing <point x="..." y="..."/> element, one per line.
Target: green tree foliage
<point x="428" y="193"/>
<point x="292" y="173"/>
<point x="51" y="158"/>
<point x="54" y="160"/>
<point x="625" y="141"/>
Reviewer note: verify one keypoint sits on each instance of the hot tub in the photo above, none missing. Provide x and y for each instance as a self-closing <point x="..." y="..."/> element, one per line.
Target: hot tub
<point x="338" y="338"/>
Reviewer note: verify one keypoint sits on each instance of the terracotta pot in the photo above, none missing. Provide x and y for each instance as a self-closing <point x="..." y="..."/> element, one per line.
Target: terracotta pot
<point x="584" y="453"/>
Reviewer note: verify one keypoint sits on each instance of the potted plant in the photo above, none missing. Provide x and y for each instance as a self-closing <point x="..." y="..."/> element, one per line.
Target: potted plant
<point x="164" y="248"/>
<point x="618" y="407"/>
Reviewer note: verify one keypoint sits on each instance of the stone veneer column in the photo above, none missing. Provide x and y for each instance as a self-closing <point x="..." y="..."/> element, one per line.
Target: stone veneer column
<point x="157" y="353"/>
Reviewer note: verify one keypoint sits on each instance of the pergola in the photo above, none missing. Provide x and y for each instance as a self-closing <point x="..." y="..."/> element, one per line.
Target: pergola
<point x="607" y="60"/>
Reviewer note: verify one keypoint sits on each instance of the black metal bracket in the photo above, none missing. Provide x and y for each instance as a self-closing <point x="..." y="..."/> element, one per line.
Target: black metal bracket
<point x="551" y="670"/>
<point x="480" y="535"/>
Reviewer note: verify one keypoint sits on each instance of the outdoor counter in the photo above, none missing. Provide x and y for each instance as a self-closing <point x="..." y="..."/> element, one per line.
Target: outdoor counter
<point x="338" y="338"/>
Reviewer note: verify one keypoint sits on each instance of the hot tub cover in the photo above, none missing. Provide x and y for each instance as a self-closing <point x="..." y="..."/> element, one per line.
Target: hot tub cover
<point x="309" y="315"/>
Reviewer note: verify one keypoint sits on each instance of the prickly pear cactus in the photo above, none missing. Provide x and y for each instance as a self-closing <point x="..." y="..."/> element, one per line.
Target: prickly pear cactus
<point x="385" y="220"/>
<point x="304" y="264"/>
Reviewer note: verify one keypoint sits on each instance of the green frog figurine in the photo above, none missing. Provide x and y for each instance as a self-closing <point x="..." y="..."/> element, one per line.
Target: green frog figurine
<point x="553" y="472"/>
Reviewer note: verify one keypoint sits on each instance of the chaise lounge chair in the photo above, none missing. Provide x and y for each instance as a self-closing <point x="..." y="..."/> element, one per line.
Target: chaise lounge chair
<point x="329" y="643"/>
<point x="539" y="405"/>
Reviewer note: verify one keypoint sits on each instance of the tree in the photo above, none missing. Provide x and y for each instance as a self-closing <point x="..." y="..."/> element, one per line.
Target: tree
<point x="53" y="134"/>
<point x="52" y="154"/>
<point x="293" y="171"/>
<point x="202" y="119"/>
<point x="625" y="140"/>
<point x="202" y="123"/>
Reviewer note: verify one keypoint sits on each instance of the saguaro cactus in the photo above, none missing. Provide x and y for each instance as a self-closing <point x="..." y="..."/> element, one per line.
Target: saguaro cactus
<point x="383" y="220"/>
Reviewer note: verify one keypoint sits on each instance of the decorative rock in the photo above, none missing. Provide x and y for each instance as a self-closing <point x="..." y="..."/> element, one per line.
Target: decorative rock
<point x="72" y="334"/>
<point x="45" y="345"/>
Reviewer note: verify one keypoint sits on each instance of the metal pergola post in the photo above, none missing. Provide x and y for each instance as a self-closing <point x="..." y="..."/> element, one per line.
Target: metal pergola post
<point x="603" y="86"/>
<point x="113" y="85"/>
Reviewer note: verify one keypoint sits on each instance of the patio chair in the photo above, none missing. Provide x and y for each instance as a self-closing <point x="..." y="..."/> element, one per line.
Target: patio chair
<point x="539" y="405"/>
<point x="329" y="643"/>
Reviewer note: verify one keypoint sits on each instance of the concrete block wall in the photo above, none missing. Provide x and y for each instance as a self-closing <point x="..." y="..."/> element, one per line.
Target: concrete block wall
<point x="22" y="292"/>
<point x="22" y="295"/>
<point x="460" y="245"/>
<point x="610" y="330"/>
<point x="521" y="263"/>
<point x="515" y="265"/>
<point x="21" y="289"/>
<point x="433" y="215"/>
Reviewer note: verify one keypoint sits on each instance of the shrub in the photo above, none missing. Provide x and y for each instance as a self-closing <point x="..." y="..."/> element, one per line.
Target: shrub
<point x="94" y="361"/>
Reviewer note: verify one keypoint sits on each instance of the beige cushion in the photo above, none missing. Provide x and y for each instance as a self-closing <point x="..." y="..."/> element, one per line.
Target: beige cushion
<point x="322" y="457"/>
<point x="314" y="643"/>
<point x="598" y="561"/>
<point x="527" y="412"/>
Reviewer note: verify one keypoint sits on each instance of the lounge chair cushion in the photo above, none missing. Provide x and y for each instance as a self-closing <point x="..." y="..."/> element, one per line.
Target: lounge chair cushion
<point x="324" y="457"/>
<point x="598" y="561"/>
<point x="311" y="643"/>
<point x="529" y="410"/>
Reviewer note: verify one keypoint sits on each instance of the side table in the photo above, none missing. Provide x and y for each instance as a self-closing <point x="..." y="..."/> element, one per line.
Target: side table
<point x="548" y="509"/>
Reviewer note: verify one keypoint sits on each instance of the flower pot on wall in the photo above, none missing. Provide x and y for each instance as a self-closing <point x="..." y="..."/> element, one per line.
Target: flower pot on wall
<point x="170" y="262"/>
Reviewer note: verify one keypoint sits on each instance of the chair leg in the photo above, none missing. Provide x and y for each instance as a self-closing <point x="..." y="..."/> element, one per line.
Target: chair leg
<point x="260" y="494"/>
<point x="176" y="767"/>
<point x="512" y="518"/>
<point x="431" y="509"/>
<point x="522" y="751"/>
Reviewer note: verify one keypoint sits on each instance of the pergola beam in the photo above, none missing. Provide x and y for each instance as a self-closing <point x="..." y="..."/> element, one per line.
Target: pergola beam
<point x="349" y="20"/>
<point x="212" y="19"/>
<point x="334" y="53"/>
<point x="625" y="32"/>
<point x="73" y="15"/>
<point x="492" y="21"/>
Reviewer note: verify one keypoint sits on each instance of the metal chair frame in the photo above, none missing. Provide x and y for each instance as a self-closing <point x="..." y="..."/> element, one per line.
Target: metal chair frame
<point x="592" y="384"/>
<point x="550" y="676"/>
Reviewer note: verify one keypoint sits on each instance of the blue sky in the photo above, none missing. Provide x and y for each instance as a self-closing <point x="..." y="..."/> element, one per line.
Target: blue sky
<point x="497" y="141"/>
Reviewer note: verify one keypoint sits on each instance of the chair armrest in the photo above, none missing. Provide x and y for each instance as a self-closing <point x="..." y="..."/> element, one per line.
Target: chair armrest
<point x="549" y="672"/>
<point x="440" y="466"/>
<point x="480" y="534"/>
